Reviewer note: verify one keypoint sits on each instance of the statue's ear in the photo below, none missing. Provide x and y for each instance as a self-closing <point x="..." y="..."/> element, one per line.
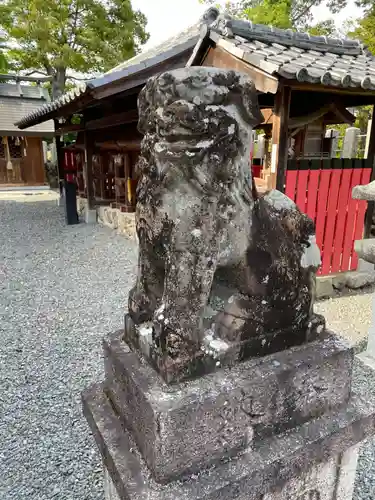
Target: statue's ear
<point x="250" y="102"/>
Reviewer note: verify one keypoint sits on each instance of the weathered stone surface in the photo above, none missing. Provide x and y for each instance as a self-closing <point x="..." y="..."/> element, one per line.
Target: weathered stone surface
<point x="324" y="287"/>
<point x="365" y="266"/>
<point x="81" y="205"/>
<point x="90" y="216"/>
<point x="338" y="281"/>
<point x="267" y="468"/>
<point x="366" y="249"/>
<point x="191" y="425"/>
<point x="332" y="480"/>
<point x="216" y="353"/>
<point x="360" y="279"/>
<point x="113" y="218"/>
<point x="215" y="258"/>
<point x="364" y="192"/>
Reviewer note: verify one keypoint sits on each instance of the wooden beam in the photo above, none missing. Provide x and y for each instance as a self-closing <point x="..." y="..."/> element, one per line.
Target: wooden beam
<point x="312" y="87"/>
<point x="88" y="169"/>
<point x="267" y="116"/>
<point x="279" y="154"/>
<point x="371" y="155"/>
<point x="218" y="57"/>
<point x="113" y="120"/>
<point x="119" y="145"/>
<point x="60" y="167"/>
<point x="335" y="108"/>
<point x="64" y="129"/>
<point x="342" y="113"/>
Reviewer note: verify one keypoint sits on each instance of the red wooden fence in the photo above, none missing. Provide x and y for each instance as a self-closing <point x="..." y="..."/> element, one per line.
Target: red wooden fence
<point x="323" y="190"/>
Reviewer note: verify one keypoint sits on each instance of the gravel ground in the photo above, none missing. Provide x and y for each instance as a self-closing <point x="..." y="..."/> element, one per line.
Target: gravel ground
<point x="349" y="315"/>
<point x="61" y="289"/>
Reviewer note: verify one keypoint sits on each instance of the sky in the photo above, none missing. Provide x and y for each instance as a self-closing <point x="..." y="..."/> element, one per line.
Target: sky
<point x="168" y="17"/>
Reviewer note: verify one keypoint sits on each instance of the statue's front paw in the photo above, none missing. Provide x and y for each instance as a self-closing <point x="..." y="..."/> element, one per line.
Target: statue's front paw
<point x="140" y="306"/>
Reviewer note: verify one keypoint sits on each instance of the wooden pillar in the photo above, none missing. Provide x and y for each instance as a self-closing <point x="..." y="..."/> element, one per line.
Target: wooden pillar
<point x="88" y="169"/>
<point x="279" y="153"/>
<point x="371" y="156"/>
<point x="59" y="158"/>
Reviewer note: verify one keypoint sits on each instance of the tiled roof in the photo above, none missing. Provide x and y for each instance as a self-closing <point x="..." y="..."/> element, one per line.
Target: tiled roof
<point x="17" y="101"/>
<point x="300" y="56"/>
<point x="292" y="55"/>
<point x="26" y="91"/>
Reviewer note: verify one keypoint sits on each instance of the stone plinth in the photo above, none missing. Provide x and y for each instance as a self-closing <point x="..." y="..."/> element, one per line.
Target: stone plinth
<point x="191" y="425"/>
<point x="316" y="457"/>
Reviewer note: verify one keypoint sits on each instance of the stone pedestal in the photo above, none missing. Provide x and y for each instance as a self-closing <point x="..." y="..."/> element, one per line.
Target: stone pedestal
<point x="285" y="426"/>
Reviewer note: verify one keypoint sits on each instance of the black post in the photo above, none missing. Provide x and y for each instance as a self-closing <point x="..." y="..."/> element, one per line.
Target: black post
<point x="71" y="214"/>
<point x="68" y="186"/>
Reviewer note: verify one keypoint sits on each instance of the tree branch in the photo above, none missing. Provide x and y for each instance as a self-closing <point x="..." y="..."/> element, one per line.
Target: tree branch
<point x="73" y="28"/>
<point x="297" y="17"/>
<point x="77" y="78"/>
<point x="44" y="73"/>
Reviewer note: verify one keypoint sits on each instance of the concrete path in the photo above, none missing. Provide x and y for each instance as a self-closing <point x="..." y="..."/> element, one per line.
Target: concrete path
<point x="29" y="196"/>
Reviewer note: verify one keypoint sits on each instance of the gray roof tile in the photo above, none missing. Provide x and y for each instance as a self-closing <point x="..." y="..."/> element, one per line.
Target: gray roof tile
<point x="12" y="109"/>
<point x="301" y="56"/>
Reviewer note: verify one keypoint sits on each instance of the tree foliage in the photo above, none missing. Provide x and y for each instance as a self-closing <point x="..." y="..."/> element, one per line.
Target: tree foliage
<point x="55" y="36"/>
<point x="3" y="58"/>
<point x="283" y="13"/>
<point x="364" y="29"/>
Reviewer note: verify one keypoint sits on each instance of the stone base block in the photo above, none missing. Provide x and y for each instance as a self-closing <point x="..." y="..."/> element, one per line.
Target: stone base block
<point x="360" y="279"/>
<point x="81" y="206"/>
<point x="333" y="480"/>
<point x="351" y="280"/>
<point x="314" y="461"/>
<point x="324" y="287"/>
<point x="90" y="216"/>
<point x="122" y="222"/>
<point x="194" y="424"/>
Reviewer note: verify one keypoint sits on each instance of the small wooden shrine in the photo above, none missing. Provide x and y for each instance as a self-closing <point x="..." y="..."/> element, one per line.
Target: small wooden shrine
<point x="21" y="152"/>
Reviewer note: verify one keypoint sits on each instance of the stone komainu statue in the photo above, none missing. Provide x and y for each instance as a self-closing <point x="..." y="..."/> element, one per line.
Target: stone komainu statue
<point x="213" y="256"/>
